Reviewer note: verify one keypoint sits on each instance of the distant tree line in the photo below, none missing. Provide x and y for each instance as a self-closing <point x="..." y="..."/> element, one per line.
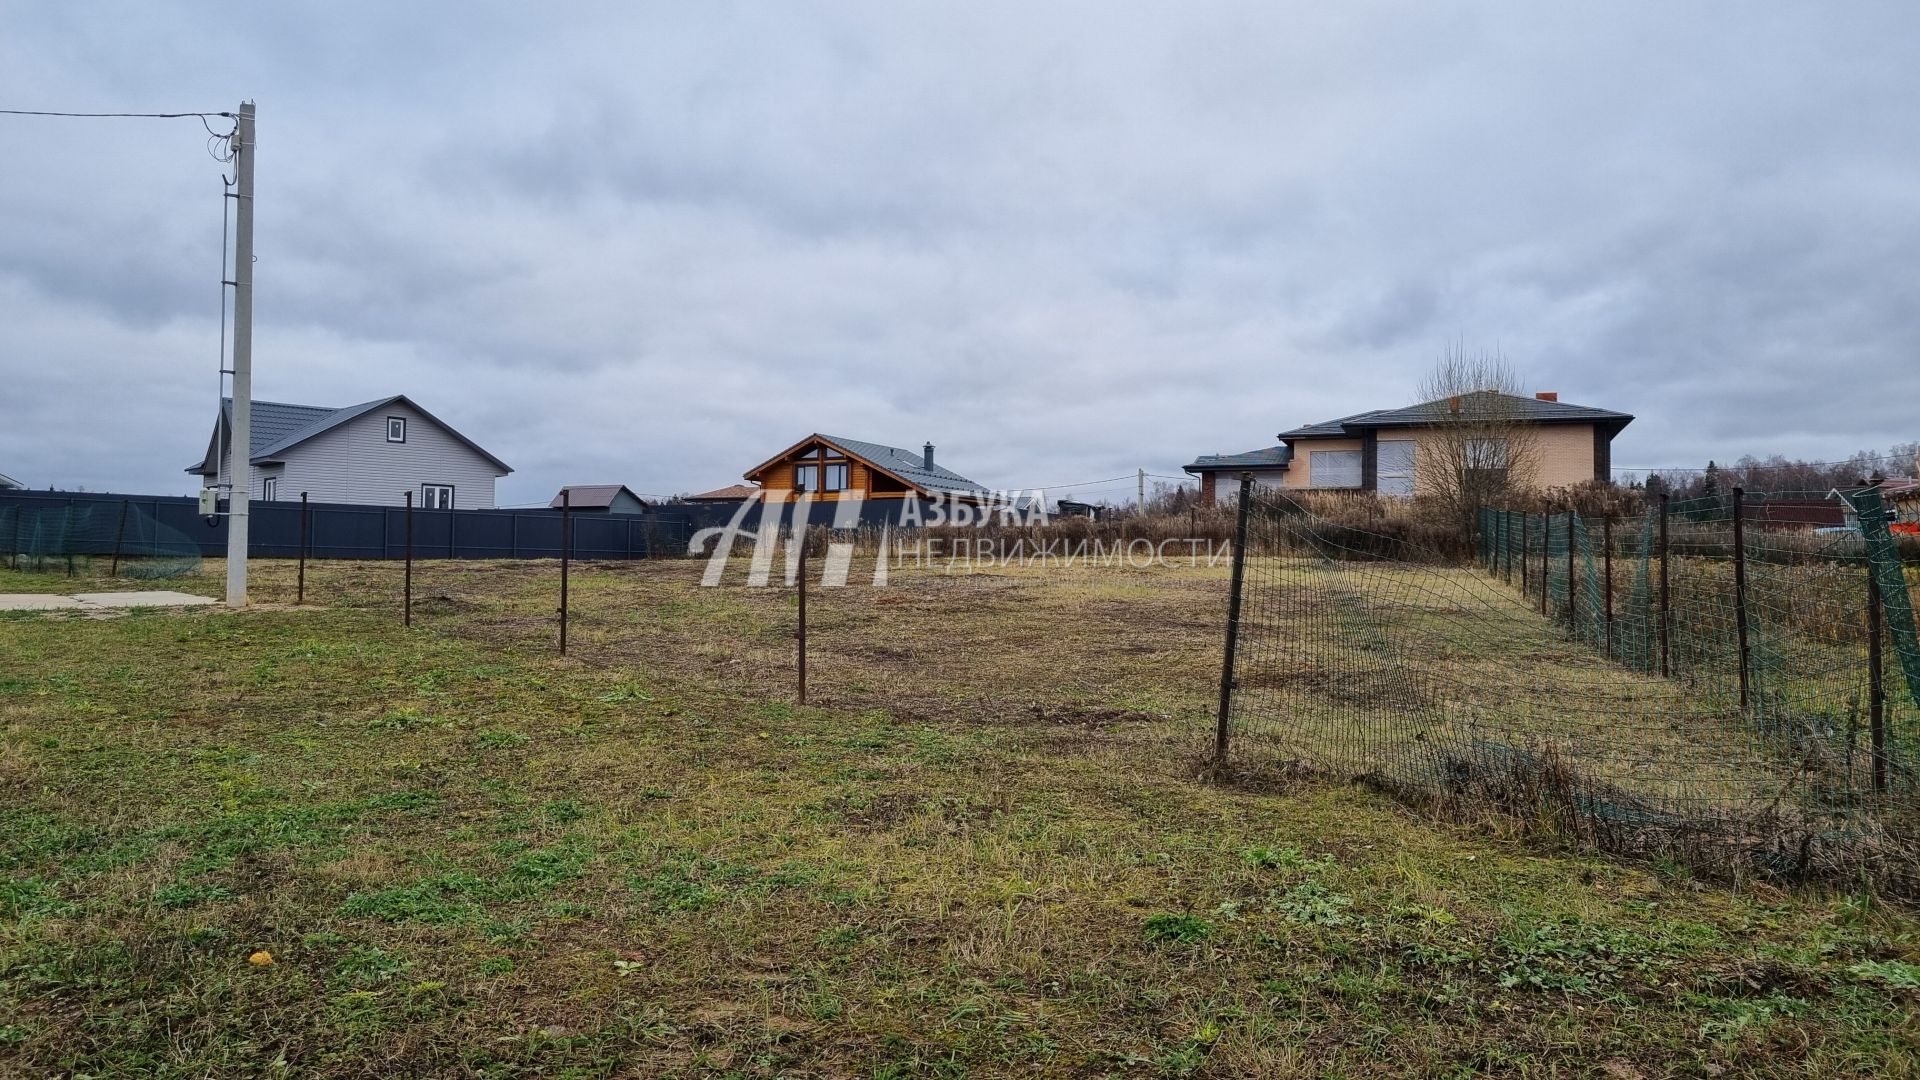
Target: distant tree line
<point x="1780" y="473"/>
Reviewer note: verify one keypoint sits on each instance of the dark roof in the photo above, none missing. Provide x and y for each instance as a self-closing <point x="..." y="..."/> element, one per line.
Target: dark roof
<point x="1273" y="457"/>
<point x="279" y="426"/>
<point x="1528" y="409"/>
<point x="908" y="465"/>
<point x="593" y="496"/>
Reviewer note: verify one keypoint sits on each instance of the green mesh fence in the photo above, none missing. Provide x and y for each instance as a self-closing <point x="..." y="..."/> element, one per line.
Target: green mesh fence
<point x="93" y="538"/>
<point x="1645" y="683"/>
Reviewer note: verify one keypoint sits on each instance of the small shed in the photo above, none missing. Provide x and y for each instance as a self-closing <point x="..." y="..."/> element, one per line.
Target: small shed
<point x="599" y="499"/>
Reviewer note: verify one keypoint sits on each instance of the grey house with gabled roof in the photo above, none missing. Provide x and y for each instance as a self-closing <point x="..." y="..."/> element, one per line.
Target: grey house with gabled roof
<point x="372" y="454"/>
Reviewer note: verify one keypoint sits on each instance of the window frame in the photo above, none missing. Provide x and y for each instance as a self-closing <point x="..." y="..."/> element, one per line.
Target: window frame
<point x="1381" y="475"/>
<point x="401" y="427"/>
<point x="426" y="502"/>
<point x="269" y="489"/>
<point x="1315" y="470"/>
<point x="827" y="478"/>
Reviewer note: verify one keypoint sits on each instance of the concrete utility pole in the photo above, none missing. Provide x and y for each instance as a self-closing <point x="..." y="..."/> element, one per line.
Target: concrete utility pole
<point x="240" y="443"/>
<point x="1143" y="491"/>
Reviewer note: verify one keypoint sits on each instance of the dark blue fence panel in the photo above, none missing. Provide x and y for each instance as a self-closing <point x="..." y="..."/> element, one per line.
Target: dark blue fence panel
<point x="43" y="522"/>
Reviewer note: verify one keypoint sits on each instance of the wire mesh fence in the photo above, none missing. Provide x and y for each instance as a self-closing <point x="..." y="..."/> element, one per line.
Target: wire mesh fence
<point x="123" y="538"/>
<point x="1683" y="682"/>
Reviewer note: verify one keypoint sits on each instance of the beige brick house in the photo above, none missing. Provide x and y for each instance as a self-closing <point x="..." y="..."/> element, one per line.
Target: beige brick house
<point x="1377" y="451"/>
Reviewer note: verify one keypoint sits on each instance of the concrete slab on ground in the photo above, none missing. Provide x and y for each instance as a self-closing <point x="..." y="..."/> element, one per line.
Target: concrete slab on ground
<point x="154" y="598"/>
<point x="85" y="601"/>
<point x="35" y="602"/>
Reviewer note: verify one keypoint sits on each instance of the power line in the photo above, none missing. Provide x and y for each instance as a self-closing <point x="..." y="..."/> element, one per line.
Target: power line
<point x="99" y="115"/>
<point x="1083" y="483"/>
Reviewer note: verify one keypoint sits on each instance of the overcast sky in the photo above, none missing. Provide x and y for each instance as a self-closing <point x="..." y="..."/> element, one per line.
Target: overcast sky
<point x="654" y="244"/>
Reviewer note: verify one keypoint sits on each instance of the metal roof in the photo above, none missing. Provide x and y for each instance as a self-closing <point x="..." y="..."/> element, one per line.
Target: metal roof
<point x="593" y="496"/>
<point x="279" y="426"/>
<point x="907" y="465"/>
<point x="1273" y="457"/>
<point x="726" y="494"/>
<point x="1525" y="409"/>
<point x="9" y="482"/>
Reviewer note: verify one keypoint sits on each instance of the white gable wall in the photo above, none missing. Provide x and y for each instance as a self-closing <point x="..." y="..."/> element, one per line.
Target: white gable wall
<point x="354" y="463"/>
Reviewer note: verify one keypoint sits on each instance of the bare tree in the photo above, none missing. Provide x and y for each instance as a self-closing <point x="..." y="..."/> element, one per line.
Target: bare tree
<point x="1480" y="448"/>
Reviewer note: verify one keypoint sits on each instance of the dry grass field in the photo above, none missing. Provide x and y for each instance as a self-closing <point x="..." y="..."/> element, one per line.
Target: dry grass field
<point x="984" y="848"/>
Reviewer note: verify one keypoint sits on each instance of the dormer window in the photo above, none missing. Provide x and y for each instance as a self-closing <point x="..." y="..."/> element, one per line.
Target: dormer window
<point x="396" y="429"/>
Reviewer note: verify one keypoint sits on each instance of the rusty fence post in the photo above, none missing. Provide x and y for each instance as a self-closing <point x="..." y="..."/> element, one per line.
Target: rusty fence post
<point x="306" y="541"/>
<point x="1221" y="733"/>
<point x="566" y="560"/>
<point x="801" y="644"/>
<point x="119" y="538"/>
<point x="407" y="602"/>
<point x="1740" y="590"/>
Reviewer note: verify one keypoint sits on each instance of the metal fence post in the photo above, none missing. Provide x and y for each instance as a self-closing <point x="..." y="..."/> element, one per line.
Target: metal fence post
<point x="1546" y="558"/>
<point x="119" y="538"/>
<point x="1876" y="690"/>
<point x="407" y="601"/>
<point x="1221" y="733"/>
<point x="801" y="539"/>
<point x="1666" y="597"/>
<point x="1740" y="589"/>
<point x="566" y="560"/>
<point x="1526" y="544"/>
<point x="1606" y="585"/>
<point x="1506" y="537"/>
<point x="1573" y="612"/>
<point x="306" y="541"/>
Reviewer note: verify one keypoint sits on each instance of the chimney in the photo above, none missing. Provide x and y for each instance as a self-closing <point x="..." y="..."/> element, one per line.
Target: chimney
<point x="1548" y="395"/>
<point x="1453" y="404"/>
<point x="926" y="458"/>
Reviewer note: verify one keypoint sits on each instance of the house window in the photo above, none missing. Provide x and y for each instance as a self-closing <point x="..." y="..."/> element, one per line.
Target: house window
<point x="270" y="488"/>
<point x="1334" y="469"/>
<point x="396" y="429"/>
<point x="1486" y="453"/>
<point x="836" y="478"/>
<point x="1394" y="467"/>
<point x="805" y="476"/>
<point x="436" y="496"/>
<point x="1487" y="458"/>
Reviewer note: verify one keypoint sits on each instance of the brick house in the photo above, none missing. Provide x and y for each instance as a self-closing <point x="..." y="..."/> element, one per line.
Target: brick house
<point x="1377" y="451"/>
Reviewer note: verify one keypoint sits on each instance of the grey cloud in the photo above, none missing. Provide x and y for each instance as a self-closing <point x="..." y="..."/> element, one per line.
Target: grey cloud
<point x="651" y="243"/>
